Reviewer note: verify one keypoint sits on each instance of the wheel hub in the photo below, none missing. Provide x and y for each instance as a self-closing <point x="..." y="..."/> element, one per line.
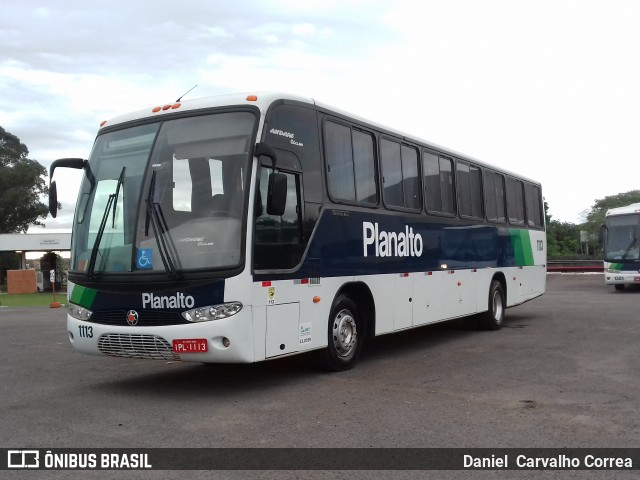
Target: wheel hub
<point x="498" y="308"/>
<point x="345" y="333"/>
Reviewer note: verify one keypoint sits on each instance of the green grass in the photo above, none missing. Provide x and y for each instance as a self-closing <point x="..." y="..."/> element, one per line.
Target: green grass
<point x="31" y="299"/>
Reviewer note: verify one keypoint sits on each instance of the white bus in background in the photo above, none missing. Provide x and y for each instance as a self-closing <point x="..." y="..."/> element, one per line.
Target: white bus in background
<point x="622" y="246"/>
<point x="244" y="228"/>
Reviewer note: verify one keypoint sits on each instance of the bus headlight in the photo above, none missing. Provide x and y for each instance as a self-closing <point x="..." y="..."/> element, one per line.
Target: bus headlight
<point x="78" y="312"/>
<point x="212" y="312"/>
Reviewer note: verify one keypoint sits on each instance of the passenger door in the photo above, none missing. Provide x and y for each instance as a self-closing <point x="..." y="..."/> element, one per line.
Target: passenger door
<point x="277" y="245"/>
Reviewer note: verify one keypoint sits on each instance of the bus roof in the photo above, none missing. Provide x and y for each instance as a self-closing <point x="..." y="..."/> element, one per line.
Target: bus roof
<point x="263" y="100"/>
<point x="633" y="208"/>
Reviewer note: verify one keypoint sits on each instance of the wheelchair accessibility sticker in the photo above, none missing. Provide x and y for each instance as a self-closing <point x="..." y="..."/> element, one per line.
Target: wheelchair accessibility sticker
<point x="143" y="260"/>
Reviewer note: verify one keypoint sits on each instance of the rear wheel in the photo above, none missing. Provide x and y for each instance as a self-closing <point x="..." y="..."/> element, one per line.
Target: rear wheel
<point x="345" y="335"/>
<point x="493" y="318"/>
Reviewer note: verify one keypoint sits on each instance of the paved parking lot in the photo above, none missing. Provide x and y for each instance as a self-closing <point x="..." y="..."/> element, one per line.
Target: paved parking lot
<point x="563" y="372"/>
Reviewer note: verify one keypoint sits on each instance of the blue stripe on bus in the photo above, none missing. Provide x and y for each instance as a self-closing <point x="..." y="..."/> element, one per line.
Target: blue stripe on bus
<point x="625" y="267"/>
<point x="337" y="247"/>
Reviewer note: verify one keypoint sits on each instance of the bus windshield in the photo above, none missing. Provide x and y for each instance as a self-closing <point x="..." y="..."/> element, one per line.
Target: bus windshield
<point x="623" y="238"/>
<point x="165" y="197"/>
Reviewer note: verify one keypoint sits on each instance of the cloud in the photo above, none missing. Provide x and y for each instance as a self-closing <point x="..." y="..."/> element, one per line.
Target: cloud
<point x="68" y="65"/>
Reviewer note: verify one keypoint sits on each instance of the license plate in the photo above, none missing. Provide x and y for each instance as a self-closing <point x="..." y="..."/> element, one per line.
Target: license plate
<point x="191" y="345"/>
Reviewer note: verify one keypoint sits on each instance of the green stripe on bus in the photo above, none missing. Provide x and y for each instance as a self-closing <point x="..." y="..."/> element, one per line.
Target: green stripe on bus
<point x="615" y="266"/>
<point x="83" y="296"/>
<point x="522" y="251"/>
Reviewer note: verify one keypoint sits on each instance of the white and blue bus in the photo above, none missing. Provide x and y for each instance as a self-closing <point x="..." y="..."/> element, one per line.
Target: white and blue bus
<point x="622" y="246"/>
<point x="247" y="227"/>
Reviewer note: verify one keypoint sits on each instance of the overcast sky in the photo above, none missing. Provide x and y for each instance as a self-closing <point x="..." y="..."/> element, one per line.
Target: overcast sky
<point x="547" y="89"/>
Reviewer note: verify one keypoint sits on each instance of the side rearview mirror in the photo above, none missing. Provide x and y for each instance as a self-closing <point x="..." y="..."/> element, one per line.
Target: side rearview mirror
<point x="53" y="199"/>
<point x="601" y="234"/>
<point x="53" y="191"/>
<point x="277" y="194"/>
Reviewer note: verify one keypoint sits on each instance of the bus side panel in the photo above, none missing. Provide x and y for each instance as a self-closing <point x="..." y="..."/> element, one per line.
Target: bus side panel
<point x="292" y="308"/>
<point x="384" y="300"/>
<point x="259" y="315"/>
<point x="458" y="288"/>
<point x="427" y="297"/>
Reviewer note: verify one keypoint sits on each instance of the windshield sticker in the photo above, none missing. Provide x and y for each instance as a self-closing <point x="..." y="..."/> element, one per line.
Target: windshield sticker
<point x="143" y="259"/>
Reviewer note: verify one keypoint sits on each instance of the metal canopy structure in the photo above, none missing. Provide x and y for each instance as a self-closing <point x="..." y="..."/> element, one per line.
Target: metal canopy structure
<point x="34" y="242"/>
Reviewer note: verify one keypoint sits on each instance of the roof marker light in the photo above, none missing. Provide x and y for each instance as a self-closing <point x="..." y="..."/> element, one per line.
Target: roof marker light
<point x="166" y="107"/>
<point x="102" y="123"/>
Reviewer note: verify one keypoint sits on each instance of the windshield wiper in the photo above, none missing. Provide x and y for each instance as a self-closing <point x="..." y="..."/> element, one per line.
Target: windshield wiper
<point x="111" y="202"/>
<point x="115" y="200"/>
<point x="631" y="245"/>
<point x="159" y="225"/>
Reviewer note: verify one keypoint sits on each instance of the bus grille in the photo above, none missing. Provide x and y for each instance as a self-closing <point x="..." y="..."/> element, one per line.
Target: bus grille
<point x="146" y="318"/>
<point x="150" y="347"/>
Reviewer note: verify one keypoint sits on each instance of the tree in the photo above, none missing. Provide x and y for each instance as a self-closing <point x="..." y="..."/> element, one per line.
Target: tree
<point x="563" y="238"/>
<point x="594" y="217"/>
<point x="22" y="184"/>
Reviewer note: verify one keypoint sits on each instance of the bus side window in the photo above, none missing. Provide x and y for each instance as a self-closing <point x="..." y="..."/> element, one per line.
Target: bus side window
<point x="277" y="239"/>
<point x="494" y="192"/>
<point x="515" y="201"/>
<point x="351" y="167"/>
<point x="438" y="183"/>
<point x="533" y="199"/>
<point x="400" y="174"/>
<point x="469" y="180"/>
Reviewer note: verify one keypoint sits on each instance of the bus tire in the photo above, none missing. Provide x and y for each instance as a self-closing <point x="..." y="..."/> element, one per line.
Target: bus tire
<point x="345" y="335"/>
<point x="619" y="286"/>
<point x="493" y="318"/>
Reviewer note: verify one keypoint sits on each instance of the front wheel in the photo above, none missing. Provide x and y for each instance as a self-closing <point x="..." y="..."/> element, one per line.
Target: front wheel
<point x="619" y="287"/>
<point x="493" y="318"/>
<point x="345" y="335"/>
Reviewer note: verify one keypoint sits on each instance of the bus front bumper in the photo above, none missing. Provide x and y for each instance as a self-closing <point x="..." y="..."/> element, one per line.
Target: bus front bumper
<point x="621" y="278"/>
<point x="229" y="340"/>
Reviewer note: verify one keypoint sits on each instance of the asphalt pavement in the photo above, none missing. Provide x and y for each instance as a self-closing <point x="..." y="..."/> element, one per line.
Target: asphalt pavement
<point x="562" y="372"/>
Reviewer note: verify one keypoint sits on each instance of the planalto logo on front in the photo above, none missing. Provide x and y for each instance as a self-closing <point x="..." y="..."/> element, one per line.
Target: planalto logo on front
<point x="390" y="244"/>
<point x="179" y="300"/>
